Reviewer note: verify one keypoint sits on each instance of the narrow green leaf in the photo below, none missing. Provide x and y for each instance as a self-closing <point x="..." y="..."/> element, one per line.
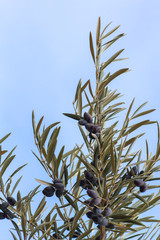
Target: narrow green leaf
<point x="46" y="132"/>
<point x="43" y="182"/>
<point x="38" y="125"/>
<point x="6" y="136"/>
<point x="110" y="60"/>
<point x="91" y="46"/>
<point x="5" y="165"/>
<point x="73" y="203"/>
<point x="76" y="117"/>
<point x="98" y="30"/>
<point x="140" y="198"/>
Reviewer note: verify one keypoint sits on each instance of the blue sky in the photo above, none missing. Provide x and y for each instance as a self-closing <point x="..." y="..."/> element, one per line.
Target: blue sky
<point x="44" y="51"/>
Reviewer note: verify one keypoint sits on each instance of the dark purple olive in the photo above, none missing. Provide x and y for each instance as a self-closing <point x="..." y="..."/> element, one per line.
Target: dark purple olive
<point x="104" y="222"/>
<point x="95" y="202"/>
<point x="89" y="214"/>
<point x="88" y="117"/>
<point x="135" y="171"/>
<point x="91" y="193"/>
<point x="82" y="182"/>
<point x="98" y="238"/>
<point x="59" y="193"/>
<point x="97" y="210"/>
<point x="107" y="212"/>
<point x="2" y="215"/>
<point x="97" y="219"/>
<point x="4" y="205"/>
<point x="59" y="186"/>
<point x="126" y="176"/>
<point x="138" y="182"/>
<point x="82" y="122"/>
<point x="71" y="219"/>
<point x="9" y="214"/>
<point x="88" y="175"/>
<point x="48" y="191"/>
<point x="141" y="172"/>
<point x="143" y="188"/>
<point x="57" y="181"/>
<point x="110" y="226"/>
<point x="11" y="201"/>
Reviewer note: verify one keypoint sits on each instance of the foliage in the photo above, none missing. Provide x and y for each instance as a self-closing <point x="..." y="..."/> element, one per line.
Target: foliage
<point x="101" y="187"/>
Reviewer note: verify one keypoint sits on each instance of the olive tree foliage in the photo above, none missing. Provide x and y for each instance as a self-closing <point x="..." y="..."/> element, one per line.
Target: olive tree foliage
<point x="100" y="188"/>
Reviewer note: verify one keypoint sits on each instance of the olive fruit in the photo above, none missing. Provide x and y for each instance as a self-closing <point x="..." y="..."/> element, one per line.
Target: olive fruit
<point x="107" y="212"/>
<point x="141" y="172"/>
<point x="2" y="215"/>
<point x="48" y="191"/>
<point x="88" y="117"/>
<point x="59" y="193"/>
<point x="138" y="182"/>
<point x="82" y="122"/>
<point x="104" y="222"/>
<point x="92" y="137"/>
<point x="91" y="193"/>
<point x="110" y="226"/>
<point x="9" y="214"/>
<point x="4" y="205"/>
<point x="59" y="186"/>
<point x="11" y="201"/>
<point x="126" y="176"/>
<point x="90" y="214"/>
<point x="97" y="210"/>
<point x="97" y="219"/>
<point x="57" y="180"/>
<point x="135" y="171"/>
<point x="95" y="202"/>
<point x="143" y="188"/>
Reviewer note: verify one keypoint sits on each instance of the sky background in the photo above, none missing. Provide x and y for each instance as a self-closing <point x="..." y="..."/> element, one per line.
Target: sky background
<point x="44" y="51"/>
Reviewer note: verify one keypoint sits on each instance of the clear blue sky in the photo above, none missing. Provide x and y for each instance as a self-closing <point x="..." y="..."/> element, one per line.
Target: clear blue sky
<point x="44" y="51"/>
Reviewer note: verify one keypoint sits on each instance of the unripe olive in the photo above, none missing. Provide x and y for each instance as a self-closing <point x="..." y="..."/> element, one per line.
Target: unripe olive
<point x="138" y="182"/>
<point x="143" y="188"/>
<point x="48" y="191"/>
<point x="95" y="202"/>
<point x="88" y="117"/>
<point x="91" y="193"/>
<point x="107" y="212"/>
<point x="11" y="201"/>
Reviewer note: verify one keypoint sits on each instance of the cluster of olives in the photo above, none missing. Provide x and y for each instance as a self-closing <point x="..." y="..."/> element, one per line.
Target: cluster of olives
<point x="100" y="217"/>
<point x="57" y="187"/>
<point x="6" y="213"/>
<point x="89" y="181"/>
<point x="138" y="182"/>
<point x="92" y="128"/>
